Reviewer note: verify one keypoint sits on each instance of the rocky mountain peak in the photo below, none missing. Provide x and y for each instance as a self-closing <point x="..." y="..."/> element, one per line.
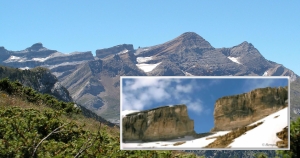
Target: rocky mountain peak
<point x="245" y="46"/>
<point x="4" y="54"/>
<point x="2" y="48"/>
<point x="191" y="39"/>
<point x="186" y="42"/>
<point x="190" y="35"/>
<point x="36" y="47"/>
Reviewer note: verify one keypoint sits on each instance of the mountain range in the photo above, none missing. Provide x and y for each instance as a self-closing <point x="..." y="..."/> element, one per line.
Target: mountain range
<point x="93" y="81"/>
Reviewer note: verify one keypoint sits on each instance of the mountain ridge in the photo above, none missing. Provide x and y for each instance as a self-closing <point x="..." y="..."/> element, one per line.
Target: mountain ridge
<point x="186" y="55"/>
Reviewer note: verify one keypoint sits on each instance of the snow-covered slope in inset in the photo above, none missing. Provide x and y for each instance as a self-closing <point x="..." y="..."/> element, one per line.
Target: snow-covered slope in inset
<point x="264" y="135"/>
<point x="234" y="59"/>
<point x="147" y="67"/>
<point x="190" y="142"/>
<point x="202" y="142"/>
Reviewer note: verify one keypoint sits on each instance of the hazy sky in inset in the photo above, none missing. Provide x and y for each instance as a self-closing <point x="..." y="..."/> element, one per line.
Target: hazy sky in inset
<point x="198" y="94"/>
<point x="73" y="25"/>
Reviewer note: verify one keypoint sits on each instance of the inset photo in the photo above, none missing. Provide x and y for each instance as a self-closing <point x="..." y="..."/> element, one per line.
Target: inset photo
<point x="204" y="113"/>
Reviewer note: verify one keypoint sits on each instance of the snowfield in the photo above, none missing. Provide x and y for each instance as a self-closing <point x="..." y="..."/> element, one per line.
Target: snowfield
<point x="234" y="59"/>
<point x="143" y="59"/>
<point x="265" y="73"/>
<point x="123" y="51"/>
<point x="40" y="59"/>
<point x="147" y="67"/>
<point x="187" y="73"/>
<point x="190" y="143"/>
<point x="14" y="59"/>
<point x="263" y="136"/>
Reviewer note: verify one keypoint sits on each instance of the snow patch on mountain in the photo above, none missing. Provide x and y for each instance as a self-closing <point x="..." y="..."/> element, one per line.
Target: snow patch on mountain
<point x="265" y="73"/>
<point x="187" y="73"/>
<point x="14" y="59"/>
<point x="147" y="67"/>
<point x="123" y="52"/>
<point x="40" y="59"/>
<point x="234" y="59"/>
<point x="143" y="59"/>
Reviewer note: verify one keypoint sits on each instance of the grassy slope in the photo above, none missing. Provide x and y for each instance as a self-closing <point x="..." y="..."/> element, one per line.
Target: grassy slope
<point x="26" y="126"/>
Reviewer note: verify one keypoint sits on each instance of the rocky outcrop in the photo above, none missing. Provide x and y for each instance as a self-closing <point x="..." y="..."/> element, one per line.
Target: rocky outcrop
<point x="225" y="140"/>
<point x="283" y="135"/>
<point x="40" y="79"/>
<point x="231" y="112"/>
<point x="4" y="54"/>
<point x="162" y="123"/>
<point x="124" y="48"/>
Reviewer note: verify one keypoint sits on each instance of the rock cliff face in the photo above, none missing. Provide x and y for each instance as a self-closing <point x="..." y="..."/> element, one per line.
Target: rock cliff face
<point x="162" y="123"/>
<point x="119" y="49"/>
<point x="240" y="110"/>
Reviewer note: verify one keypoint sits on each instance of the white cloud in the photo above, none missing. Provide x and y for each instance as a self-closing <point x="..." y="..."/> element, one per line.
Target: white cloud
<point x="146" y="82"/>
<point x="185" y="89"/>
<point x="158" y="93"/>
<point x="193" y="105"/>
<point x="141" y="93"/>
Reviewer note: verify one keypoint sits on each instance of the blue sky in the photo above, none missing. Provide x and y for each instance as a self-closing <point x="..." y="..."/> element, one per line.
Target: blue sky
<point x="199" y="94"/>
<point x="68" y="26"/>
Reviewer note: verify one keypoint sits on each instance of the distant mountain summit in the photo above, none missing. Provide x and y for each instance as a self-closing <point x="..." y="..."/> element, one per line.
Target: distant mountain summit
<point x="192" y="40"/>
<point x="183" y="43"/>
<point x="36" y="47"/>
<point x="190" y="54"/>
